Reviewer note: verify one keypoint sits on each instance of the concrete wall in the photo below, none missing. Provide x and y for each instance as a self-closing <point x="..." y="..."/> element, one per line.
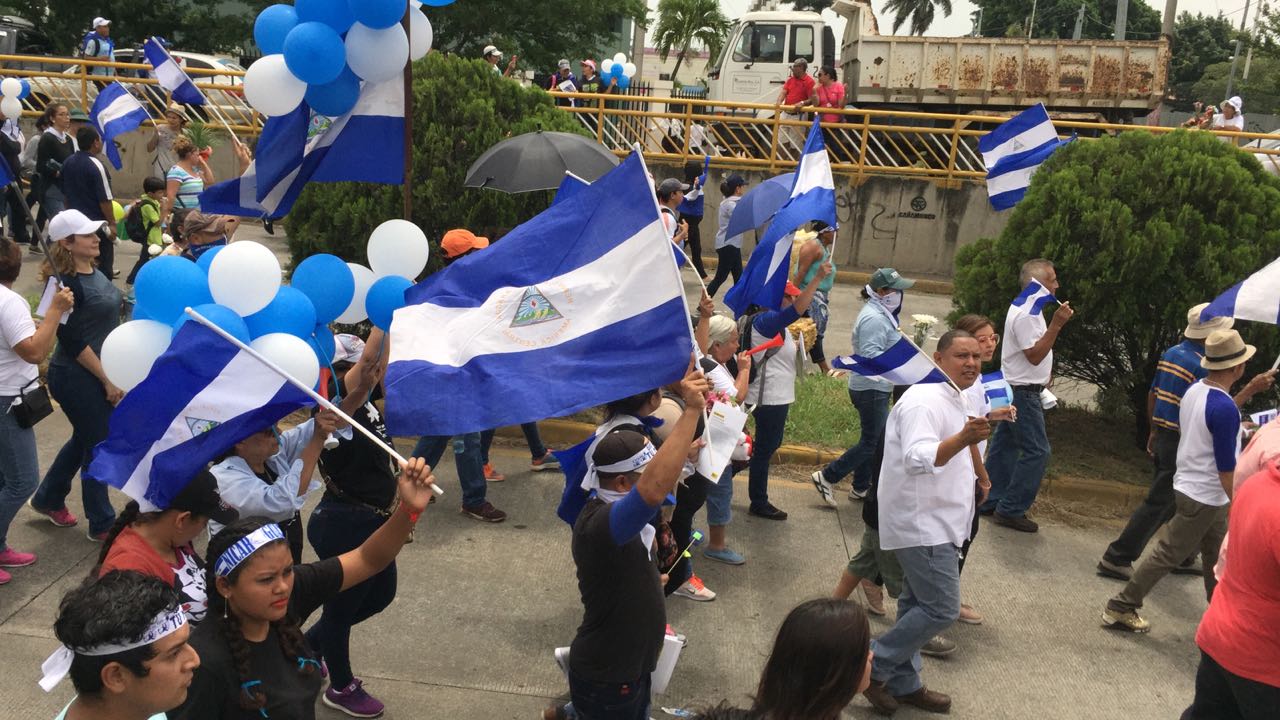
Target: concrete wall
<point x="915" y="226"/>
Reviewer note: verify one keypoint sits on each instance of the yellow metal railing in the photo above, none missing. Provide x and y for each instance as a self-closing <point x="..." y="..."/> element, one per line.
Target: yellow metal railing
<point x="936" y="146"/>
<point x="70" y="81"/>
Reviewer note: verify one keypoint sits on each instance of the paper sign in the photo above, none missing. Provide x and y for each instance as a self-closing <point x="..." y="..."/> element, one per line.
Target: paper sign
<point x="51" y="288"/>
<point x="724" y="430"/>
<point x="1264" y="417"/>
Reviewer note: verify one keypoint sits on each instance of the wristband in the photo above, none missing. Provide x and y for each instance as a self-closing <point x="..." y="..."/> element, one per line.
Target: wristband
<point x="413" y="516"/>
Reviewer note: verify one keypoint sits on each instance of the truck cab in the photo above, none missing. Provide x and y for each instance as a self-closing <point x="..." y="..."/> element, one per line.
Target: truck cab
<point x="761" y="46"/>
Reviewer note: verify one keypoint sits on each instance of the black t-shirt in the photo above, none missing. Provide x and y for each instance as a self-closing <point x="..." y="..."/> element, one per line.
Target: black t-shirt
<point x="624" y="613"/>
<point x="291" y="695"/>
<point x="362" y="471"/>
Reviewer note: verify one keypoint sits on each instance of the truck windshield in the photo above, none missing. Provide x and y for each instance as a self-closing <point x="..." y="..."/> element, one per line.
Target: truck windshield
<point x="761" y="43"/>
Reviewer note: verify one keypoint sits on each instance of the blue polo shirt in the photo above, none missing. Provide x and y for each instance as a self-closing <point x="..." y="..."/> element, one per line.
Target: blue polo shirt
<point x="1178" y="368"/>
<point x="85" y="185"/>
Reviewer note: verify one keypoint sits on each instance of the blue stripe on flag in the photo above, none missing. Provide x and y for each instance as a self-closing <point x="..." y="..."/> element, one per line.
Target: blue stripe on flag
<point x="898" y="364"/>
<point x="1012" y="165"/>
<point x="170" y="74"/>
<point x="1255" y="298"/>
<point x="116" y="112"/>
<point x="569" y="187"/>
<point x="1037" y="294"/>
<point x="1018" y="124"/>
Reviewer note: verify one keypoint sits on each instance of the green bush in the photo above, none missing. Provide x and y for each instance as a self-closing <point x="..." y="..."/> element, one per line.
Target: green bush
<point x="1141" y="227"/>
<point x="460" y="109"/>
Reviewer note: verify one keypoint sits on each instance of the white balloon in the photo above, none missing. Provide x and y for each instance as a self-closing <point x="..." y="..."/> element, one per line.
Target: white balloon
<point x="606" y="66"/>
<point x="397" y="247"/>
<point x="629" y="69"/>
<point x="131" y="349"/>
<point x="420" y="35"/>
<point x="377" y="55"/>
<point x="292" y="354"/>
<point x="620" y="58"/>
<point x="270" y="88"/>
<point x="356" y="311"/>
<point x="11" y="87"/>
<point x="244" y="276"/>
<point x="11" y="107"/>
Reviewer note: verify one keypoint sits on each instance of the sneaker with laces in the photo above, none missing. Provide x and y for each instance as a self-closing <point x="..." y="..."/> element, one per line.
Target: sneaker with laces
<point x="856" y="495"/>
<point x="485" y="512"/>
<point x="493" y="475"/>
<point x="1124" y="620"/>
<point x="11" y="558"/>
<point x="824" y="488"/>
<point x="548" y="461"/>
<point x="724" y="555"/>
<point x="61" y="517"/>
<point x="695" y="590"/>
<point x="353" y="700"/>
<point x="938" y="646"/>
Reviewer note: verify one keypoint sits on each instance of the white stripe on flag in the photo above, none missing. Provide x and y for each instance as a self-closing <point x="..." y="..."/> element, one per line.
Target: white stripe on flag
<point x="245" y="384"/>
<point x="1259" y="296"/>
<point x="118" y="108"/>
<point x="911" y="372"/>
<point x="814" y="171"/>
<point x="1012" y="180"/>
<point x="169" y="75"/>
<point x="632" y="279"/>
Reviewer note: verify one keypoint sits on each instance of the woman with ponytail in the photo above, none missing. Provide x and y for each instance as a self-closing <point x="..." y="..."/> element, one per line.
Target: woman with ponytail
<point x="255" y="662"/>
<point x="159" y="543"/>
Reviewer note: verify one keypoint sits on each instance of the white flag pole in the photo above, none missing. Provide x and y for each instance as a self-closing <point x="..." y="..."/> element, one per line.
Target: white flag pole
<point x="1276" y="365"/>
<point x="320" y="399"/>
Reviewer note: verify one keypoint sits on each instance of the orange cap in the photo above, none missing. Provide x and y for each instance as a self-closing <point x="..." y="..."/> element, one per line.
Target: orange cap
<point x="459" y="242"/>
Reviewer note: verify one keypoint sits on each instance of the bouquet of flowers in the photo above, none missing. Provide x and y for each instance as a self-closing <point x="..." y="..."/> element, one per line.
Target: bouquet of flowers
<point x="716" y="396"/>
<point x="921" y="325"/>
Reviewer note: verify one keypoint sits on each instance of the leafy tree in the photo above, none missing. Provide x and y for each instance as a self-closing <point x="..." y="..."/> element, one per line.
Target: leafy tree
<point x="1141" y="227"/>
<point x="920" y="12"/>
<point x="1057" y="18"/>
<point x="682" y="23"/>
<point x="1261" y="92"/>
<point x="1198" y="42"/>
<point x="814" y="5"/>
<point x="460" y="109"/>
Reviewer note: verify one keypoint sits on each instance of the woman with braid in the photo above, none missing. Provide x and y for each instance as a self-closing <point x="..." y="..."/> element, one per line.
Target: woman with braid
<point x="255" y="662"/>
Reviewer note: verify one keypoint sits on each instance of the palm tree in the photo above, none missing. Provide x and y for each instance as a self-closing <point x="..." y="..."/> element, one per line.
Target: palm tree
<point x="920" y="12"/>
<point x="681" y="23"/>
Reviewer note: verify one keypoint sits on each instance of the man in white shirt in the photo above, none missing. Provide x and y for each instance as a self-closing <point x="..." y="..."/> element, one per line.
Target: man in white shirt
<point x="1020" y="451"/>
<point x="670" y="194"/>
<point x="926" y="494"/>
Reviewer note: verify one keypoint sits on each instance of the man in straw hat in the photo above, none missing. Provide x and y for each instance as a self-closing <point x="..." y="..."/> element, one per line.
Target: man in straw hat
<point x="1178" y="368"/>
<point x="1209" y="443"/>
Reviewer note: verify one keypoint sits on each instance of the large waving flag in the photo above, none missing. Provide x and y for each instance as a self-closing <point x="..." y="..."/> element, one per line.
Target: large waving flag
<point x="203" y="395"/>
<point x="365" y="145"/>
<point x="1032" y="299"/>
<point x="901" y="364"/>
<point x="116" y="112"/>
<point x="578" y="306"/>
<point x="813" y="197"/>
<point x="1256" y="298"/>
<point x="1014" y="151"/>
<point x="170" y="74"/>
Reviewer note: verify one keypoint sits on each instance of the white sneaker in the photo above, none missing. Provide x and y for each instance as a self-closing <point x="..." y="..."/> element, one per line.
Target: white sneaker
<point x="825" y="489"/>
<point x="695" y="590"/>
<point x="562" y="659"/>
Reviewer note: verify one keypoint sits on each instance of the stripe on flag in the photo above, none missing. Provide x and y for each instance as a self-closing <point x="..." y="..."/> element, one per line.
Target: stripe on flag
<point x="1033" y="298"/>
<point x="1028" y="130"/>
<point x="901" y="364"/>
<point x="170" y="74"/>
<point x="1256" y="298"/>
<point x="116" y="112"/>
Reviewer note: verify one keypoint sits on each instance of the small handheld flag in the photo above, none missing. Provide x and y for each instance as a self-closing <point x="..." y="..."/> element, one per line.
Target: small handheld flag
<point x="998" y="392"/>
<point x="116" y="112"/>
<point x="1033" y="298"/>
<point x="901" y="364"/>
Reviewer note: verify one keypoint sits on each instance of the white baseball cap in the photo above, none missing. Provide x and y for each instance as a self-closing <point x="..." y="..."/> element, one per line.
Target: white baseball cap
<point x="73" y="222"/>
<point x="491" y="50"/>
<point x="99" y="22"/>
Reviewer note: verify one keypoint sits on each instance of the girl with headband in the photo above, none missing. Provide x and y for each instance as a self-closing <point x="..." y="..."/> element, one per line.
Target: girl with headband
<point x="256" y="663"/>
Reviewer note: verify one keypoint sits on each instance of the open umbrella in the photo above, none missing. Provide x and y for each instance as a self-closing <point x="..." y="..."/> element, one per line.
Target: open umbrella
<point x="759" y="204"/>
<point x="538" y="161"/>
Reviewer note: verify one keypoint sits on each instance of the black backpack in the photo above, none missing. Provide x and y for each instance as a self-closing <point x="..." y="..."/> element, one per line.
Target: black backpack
<point x="135" y="225"/>
<point x="744" y="342"/>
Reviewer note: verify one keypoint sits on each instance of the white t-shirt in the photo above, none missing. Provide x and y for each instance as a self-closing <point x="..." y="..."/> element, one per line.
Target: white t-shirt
<point x="16" y="325"/>
<point x="1220" y="122"/>
<point x="1208" y="443"/>
<point x="1021" y="331"/>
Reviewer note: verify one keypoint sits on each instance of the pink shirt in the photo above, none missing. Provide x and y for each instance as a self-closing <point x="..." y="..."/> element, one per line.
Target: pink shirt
<point x="831" y="96"/>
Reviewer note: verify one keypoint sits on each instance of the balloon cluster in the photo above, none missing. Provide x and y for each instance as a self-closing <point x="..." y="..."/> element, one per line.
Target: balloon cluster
<point x="238" y="288"/>
<point x="618" y="69"/>
<point x="13" y="92"/>
<point x="320" y="50"/>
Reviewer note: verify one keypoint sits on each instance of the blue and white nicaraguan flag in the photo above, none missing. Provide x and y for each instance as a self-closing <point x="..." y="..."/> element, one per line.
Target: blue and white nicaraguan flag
<point x="999" y="393"/>
<point x="1032" y="299"/>
<point x="1256" y="298"/>
<point x="170" y="75"/>
<point x="203" y="395"/>
<point x="365" y="145"/>
<point x="813" y="197"/>
<point x="1014" y="151"/>
<point x="901" y="364"/>
<point x="116" y="112"/>
<point x="578" y="306"/>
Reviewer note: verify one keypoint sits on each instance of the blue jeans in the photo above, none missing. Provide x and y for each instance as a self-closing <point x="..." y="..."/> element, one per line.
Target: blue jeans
<point x="1018" y="456"/>
<point x="531" y="436"/>
<point x="771" y="421"/>
<point x="53" y="201"/>
<point x="929" y="604"/>
<point x="19" y="467"/>
<point x="337" y="527"/>
<point x="466" y="459"/>
<point x="84" y="401"/>
<point x="873" y="415"/>
<point x="610" y="701"/>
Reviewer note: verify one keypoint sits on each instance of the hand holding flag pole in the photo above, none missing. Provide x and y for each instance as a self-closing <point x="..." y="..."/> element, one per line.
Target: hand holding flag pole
<point x="320" y="400"/>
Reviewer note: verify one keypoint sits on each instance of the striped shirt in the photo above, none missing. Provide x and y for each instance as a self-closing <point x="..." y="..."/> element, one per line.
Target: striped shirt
<point x="1178" y="368"/>
<point x="189" y="188"/>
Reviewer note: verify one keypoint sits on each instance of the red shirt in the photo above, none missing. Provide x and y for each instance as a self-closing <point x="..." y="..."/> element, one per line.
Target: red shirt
<point x="800" y="90"/>
<point x="1241" y="629"/>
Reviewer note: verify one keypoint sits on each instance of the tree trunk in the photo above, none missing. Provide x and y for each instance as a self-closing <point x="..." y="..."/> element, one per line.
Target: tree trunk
<point x="675" y="74"/>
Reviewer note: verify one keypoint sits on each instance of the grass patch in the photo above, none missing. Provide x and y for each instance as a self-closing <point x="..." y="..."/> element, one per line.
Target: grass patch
<point x="822" y="415"/>
<point x="1091" y="446"/>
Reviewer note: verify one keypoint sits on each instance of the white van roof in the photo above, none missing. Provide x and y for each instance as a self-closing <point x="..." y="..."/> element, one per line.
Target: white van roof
<point x="780" y="16"/>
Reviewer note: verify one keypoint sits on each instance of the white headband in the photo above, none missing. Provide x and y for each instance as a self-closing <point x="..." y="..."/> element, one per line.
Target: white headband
<point x="246" y="546"/>
<point x="631" y="464"/>
<point x="57" y="665"/>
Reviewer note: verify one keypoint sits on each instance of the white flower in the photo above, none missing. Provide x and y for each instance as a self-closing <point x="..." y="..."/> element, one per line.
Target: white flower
<point x="924" y="320"/>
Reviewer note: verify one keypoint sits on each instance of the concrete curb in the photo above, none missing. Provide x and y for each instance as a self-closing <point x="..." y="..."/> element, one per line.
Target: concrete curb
<point x="566" y="433"/>
<point x="857" y="277"/>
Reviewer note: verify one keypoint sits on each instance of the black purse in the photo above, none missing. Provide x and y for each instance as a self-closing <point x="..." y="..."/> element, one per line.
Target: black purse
<point x="32" y="406"/>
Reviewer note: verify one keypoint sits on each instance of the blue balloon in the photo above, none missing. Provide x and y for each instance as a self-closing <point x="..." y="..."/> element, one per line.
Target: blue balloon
<point x="334" y="13"/>
<point x="337" y="97"/>
<point x="314" y="53"/>
<point x="437" y="3"/>
<point x="26" y="88"/>
<point x="385" y="297"/>
<point x="624" y="82"/>
<point x="272" y="26"/>
<point x="323" y="343"/>
<point x="167" y="285"/>
<point x="289" y="311"/>
<point x="377" y="14"/>
<point x="328" y="282"/>
<point x="220" y="315"/>
<point x="206" y="258"/>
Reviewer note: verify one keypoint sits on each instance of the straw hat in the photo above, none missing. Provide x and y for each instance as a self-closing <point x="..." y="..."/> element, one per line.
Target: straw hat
<point x="176" y="109"/>
<point x="1225" y="349"/>
<point x="1199" y="330"/>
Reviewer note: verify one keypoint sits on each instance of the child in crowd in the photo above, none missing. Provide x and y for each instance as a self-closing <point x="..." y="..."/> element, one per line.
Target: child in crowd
<point x="143" y="218"/>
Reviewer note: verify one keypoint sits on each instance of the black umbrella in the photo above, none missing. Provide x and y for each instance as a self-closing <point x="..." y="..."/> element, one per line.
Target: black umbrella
<point x="538" y="161"/>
